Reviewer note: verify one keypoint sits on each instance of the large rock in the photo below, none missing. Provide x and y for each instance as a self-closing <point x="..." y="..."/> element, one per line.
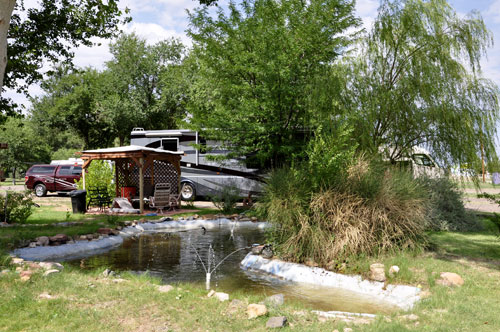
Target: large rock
<point x="58" y="239"/>
<point x="256" y="310"/>
<point x="222" y="296"/>
<point x="106" y="231"/>
<point x="42" y="241"/>
<point x="257" y="250"/>
<point x="377" y="272"/>
<point x="276" y="322"/>
<point x="450" y="279"/>
<point x="26" y="275"/>
<point x="393" y="270"/>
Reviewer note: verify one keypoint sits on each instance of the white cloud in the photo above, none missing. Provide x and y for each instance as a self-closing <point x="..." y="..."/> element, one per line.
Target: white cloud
<point x="493" y="11"/>
<point x="154" y="33"/>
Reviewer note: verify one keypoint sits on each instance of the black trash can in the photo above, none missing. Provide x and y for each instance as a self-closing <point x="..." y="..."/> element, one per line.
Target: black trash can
<point x="79" y="201"/>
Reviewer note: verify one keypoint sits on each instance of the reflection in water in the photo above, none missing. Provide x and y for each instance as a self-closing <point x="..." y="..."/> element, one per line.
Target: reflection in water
<point x="172" y="257"/>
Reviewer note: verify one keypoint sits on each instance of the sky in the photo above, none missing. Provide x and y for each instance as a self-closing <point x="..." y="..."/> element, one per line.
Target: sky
<point x="156" y="20"/>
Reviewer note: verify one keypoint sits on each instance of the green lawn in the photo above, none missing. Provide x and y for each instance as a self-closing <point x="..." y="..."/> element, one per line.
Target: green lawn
<point x="86" y="301"/>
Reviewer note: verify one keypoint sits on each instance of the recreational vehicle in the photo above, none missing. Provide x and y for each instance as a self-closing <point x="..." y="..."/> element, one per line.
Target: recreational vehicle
<point x="201" y="175"/>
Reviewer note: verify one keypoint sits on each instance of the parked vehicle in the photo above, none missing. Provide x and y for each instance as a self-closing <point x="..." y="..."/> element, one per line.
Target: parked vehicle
<point x="52" y="178"/>
<point x="201" y="175"/>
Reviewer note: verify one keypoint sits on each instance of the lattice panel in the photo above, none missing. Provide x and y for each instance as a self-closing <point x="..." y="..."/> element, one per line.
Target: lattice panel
<point x="164" y="172"/>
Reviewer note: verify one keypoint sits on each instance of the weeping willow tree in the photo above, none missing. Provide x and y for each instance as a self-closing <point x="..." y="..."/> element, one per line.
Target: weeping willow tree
<point x="416" y="80"/>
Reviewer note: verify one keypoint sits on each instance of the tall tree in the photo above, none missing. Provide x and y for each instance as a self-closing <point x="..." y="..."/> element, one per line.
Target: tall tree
<point x="72" y="101"/>
<point x="140" y="78"/>
<point x="25" y="146"/>
<point x="257" y="68"/>
<point x="416" y="80"/>
<point x="47" y="33"/>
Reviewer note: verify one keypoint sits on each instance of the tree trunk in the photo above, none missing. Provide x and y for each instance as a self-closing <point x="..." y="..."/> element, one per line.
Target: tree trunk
<point x="6" y="8"/>
<point x="14" y="176"/>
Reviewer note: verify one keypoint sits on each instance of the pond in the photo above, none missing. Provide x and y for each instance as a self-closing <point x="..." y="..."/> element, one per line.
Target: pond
<point x="172" y="257"/>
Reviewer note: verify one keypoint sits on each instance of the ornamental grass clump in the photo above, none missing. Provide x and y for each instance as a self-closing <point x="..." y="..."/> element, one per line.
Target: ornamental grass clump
<point x="364" y="208"/>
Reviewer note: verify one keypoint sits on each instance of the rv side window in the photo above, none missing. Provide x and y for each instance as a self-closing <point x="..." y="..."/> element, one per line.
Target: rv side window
<point x="169" y="144"/>
<point x="423" y="160"/>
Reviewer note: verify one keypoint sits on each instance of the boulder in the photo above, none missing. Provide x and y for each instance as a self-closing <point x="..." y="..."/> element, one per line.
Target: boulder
<point x="165" y="288"/>
<point x="393" y="270"/>
<point x="222" y="296"/>
<point x="106" y="231"/>
<point x="58" y="239"/>
<point x="17" y="261"/>
<point x="254" y="219"/>
<point x="32" y="245"/>
<point x="51" y="265"/>
<point x="276" y="322"/>
<point x="377" y="272"/>
<point x="211" y="293"/>
<point x="256" y="310"/>
<point x="257" y="250"/>
<point x="450" y="279"/>
<point x="276" y="299"/>
<point x="42" y="241"/>
<point x="108" y="273"/>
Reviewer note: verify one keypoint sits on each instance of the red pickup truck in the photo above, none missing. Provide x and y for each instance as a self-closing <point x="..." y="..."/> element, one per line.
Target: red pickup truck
<point x="60" y="178"/>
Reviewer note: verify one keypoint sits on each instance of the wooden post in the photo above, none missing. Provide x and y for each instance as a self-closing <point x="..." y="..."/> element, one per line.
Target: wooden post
<point x="84" y="170"/>
<point x="141" y="184"/>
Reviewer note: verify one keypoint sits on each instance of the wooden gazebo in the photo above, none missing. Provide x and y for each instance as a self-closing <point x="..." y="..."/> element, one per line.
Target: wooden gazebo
<point x="140" y="167"/>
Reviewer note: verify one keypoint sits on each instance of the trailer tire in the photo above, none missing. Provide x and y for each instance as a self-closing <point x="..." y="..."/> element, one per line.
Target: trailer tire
<point x="188" y="192"/>
<point x="40" y="190"/>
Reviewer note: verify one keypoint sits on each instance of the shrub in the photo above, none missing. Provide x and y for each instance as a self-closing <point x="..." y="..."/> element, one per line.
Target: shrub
<point x="447" y="211"/>
<point x="355" y="206"/>
<point x="15" y="207"/>
<point x="99" y="173"/>
<point x="333" y="224"/>
<point x="226" y="199"/>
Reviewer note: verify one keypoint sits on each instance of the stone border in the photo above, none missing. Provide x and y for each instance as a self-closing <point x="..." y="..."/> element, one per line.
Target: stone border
<point x="401" y="296"/>
<point x="82" y="249"/>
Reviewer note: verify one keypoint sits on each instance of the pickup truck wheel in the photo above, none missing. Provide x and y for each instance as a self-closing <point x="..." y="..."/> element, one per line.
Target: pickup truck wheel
<point x="40" y="190"/>
<point x="188" y="192"/>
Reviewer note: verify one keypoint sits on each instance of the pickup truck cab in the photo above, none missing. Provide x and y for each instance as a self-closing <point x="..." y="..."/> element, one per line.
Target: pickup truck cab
<point x="53" y="178"/>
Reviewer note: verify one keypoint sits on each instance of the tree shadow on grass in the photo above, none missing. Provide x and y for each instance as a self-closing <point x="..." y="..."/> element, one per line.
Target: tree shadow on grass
<point x="466" y="248"/>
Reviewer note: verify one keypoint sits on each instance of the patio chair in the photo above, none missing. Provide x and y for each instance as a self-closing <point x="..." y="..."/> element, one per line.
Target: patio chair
<point x="161" y="197"/>
<point x="174" y="201"/>
<point x="98" y="196"/>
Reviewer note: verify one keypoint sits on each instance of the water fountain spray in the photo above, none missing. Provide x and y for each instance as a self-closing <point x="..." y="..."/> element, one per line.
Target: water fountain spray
<point x="208" y="268"/>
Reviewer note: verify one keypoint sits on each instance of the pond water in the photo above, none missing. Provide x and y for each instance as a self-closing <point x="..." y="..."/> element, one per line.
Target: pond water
<point x="172" y="256"/>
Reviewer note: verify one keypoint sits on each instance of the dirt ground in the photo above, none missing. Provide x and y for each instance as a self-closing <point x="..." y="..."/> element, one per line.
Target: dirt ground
<point x="470" y="199"/>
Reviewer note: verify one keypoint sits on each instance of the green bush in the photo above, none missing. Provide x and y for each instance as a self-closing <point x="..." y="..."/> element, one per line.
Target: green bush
<point x="99" y="173"/>
<point x="226" y="199"/>
<point x="15" y="207"/>
<point x="447" y="211"/>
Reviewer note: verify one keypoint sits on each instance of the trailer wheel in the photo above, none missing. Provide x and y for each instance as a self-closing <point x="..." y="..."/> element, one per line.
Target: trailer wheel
<point x="188" y="192"/>
<point x="40" y="190"/>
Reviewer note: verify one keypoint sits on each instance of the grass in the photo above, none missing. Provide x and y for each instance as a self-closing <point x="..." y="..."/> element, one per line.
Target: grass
<point x="42" y="222"/>
<point x="8" y="182"/>
<point x="86" y="301"/>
